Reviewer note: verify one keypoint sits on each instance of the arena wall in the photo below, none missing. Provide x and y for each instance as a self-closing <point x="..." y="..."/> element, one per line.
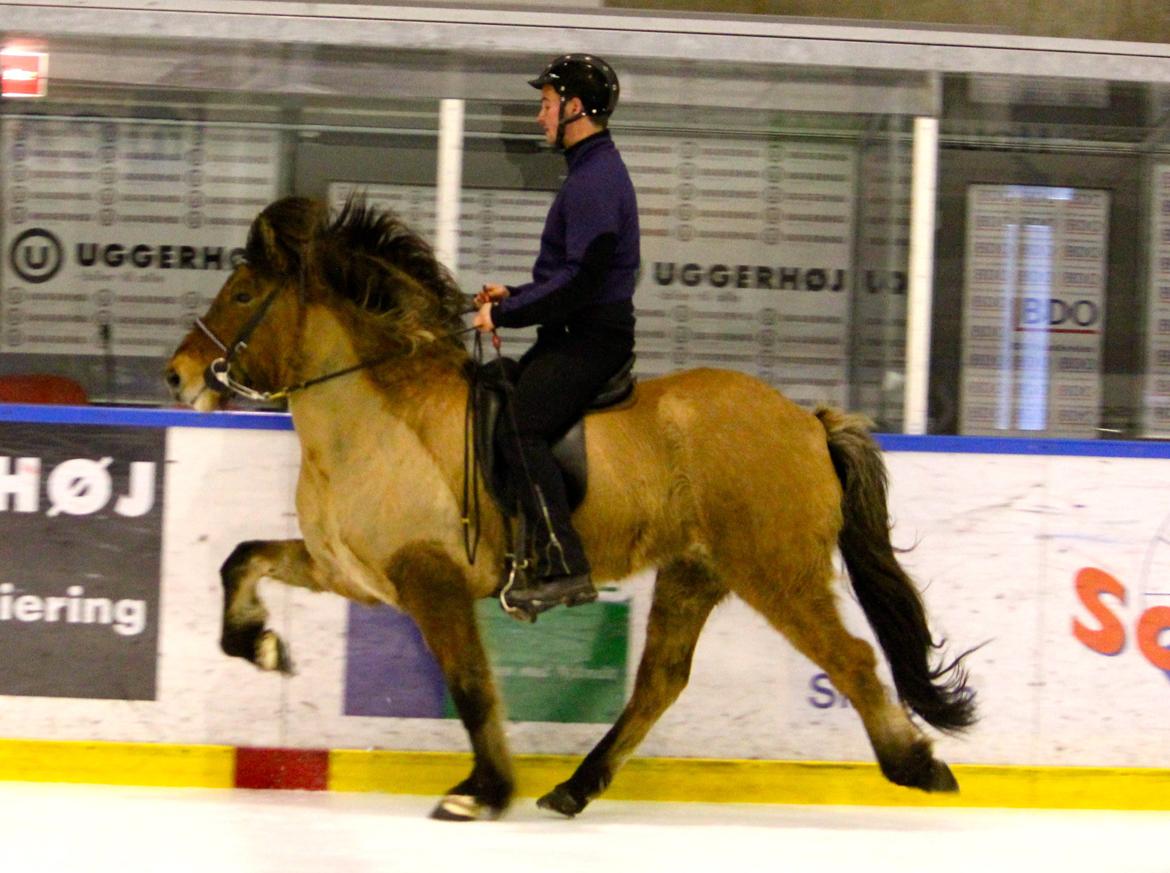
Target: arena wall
<point x="1049" y="555"/>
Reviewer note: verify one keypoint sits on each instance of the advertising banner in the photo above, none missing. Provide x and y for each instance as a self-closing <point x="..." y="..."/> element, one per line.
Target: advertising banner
<point x="746" y="253"/>
<point x="570" y="667"/>
<point x="1156" y="405"/>
<point x="883" y="256"/>
<point x="81" y="521"/>
<point x="117" y="234"/>
<point x="1033" y="310"/>
<point x="1049" y="564"/>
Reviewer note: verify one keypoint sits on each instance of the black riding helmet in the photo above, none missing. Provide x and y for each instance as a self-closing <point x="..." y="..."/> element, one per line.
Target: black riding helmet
<point x="586" y="77"/>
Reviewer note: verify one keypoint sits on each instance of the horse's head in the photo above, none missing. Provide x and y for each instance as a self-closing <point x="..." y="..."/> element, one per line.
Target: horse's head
<point x="387" y="293"/>
<point x="246" y="334"/>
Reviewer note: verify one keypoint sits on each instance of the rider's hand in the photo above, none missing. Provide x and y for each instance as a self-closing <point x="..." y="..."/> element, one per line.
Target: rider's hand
<point x="491" y="293"/>
<point x="483" y="318"/>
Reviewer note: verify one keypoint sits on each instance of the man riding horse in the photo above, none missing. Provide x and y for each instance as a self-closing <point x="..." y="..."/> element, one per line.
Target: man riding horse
<point x="581" y="295"/>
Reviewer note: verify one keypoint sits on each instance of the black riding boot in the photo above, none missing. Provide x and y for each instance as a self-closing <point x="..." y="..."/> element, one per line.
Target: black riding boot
<point x="560" y="570"/>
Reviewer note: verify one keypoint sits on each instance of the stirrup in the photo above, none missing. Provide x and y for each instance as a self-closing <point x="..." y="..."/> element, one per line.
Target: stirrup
<point x="515" y="577"/>
<point x="516" y="567"/>
<point x="543" y="594"/>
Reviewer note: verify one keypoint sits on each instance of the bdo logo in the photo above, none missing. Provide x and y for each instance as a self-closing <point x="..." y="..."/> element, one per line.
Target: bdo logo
<point x="36" y="255"/>
<point x="1059" y="316"/>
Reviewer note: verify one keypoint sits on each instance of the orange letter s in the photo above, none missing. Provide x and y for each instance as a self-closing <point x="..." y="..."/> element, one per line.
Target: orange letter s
<point x="1109" y="638"/>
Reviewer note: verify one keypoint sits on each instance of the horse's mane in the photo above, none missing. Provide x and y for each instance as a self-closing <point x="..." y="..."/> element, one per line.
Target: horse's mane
<point x="363" y="255"/>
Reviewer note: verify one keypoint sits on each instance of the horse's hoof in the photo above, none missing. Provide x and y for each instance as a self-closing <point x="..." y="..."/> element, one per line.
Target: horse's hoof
<point x="562" y="801"/>
<point x="456" y="807"/>
<point x="463" y="807"/>
<point x="272" y="654"/>
<point x="941" y="778"/>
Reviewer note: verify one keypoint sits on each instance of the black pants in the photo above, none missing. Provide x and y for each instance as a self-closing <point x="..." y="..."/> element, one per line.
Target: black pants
<point x="557" y="379"/>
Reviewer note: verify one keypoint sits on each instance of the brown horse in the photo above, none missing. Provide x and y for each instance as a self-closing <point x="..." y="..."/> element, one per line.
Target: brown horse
<point x="712" y="477"/>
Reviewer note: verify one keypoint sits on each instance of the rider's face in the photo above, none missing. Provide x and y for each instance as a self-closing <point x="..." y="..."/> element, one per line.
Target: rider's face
<point x="551" y="112"/>
<point x="549" y="115"/>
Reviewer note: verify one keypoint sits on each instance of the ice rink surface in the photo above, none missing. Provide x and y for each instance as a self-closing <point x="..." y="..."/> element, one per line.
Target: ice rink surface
<point x="93" y="829"/>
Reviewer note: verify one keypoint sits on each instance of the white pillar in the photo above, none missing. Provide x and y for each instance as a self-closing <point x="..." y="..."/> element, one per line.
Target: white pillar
<point x="923" y="195"/>
<point x="449" y="181"/>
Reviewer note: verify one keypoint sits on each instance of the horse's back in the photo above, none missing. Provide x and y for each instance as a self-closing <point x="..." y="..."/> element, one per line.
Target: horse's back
<point x="714" y="408"/>
<point x="724" y="453"/>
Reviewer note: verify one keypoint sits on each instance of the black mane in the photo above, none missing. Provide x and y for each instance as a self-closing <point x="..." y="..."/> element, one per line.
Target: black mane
<point x="363" y="255"/>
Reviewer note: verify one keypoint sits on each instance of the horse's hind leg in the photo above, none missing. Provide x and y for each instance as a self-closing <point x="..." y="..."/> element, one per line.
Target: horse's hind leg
<point x="244" y="614"/>
<point x="809" y="618"/>
<point x="684" y="594"/>
<point x="433" y="590"/>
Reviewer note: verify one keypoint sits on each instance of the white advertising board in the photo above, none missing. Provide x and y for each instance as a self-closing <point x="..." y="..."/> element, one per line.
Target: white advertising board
<point x="1052" y="561"/>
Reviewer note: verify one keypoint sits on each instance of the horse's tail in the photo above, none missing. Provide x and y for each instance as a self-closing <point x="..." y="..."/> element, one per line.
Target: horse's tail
<point x="887" y="595"/>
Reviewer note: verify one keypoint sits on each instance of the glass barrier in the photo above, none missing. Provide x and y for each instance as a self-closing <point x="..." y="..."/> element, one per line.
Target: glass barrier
<point x="1049" y="259"/>
<point x="774" y="202"/>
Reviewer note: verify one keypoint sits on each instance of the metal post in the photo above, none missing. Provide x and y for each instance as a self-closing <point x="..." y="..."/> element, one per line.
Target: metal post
<point x="923" y="193"/>
<point x="448" y="183"/>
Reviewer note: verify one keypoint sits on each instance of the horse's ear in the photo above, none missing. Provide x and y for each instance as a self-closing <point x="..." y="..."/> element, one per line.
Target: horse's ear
<point x="279" y="257"/>
<point x="282" y="234"/>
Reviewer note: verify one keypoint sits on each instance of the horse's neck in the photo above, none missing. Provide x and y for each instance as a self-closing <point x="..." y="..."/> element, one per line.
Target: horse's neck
<point x="418" y="392"/>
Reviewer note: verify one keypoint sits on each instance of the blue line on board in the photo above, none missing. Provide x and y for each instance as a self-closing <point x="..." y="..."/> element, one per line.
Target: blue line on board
<point x="134" y="417"/>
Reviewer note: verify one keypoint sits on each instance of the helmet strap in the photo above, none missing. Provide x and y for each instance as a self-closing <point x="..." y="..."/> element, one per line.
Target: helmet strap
<point x="563" y="122"/>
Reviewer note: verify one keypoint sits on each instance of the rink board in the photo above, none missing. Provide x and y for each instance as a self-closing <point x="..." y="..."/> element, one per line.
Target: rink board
<point x="1051" y="552"/>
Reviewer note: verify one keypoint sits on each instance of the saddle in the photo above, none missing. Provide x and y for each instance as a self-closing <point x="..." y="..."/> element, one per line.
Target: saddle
<point x="491" y="396"/>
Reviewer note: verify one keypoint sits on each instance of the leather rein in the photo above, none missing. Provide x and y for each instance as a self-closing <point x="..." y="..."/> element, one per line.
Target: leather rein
<point x="218" y="378"/>
<point x="218" y="375"/>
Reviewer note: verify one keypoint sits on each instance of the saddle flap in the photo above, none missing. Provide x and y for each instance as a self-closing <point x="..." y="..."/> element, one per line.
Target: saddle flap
<point x="491" y="385"/>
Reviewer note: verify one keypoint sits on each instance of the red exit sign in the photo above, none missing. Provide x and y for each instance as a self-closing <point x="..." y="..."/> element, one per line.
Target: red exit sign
<point x="23" y="73"/>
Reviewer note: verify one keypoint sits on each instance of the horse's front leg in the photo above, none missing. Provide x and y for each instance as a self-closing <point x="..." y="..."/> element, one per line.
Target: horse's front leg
<point x="433" y="590"/>
<point x="244" y="614"/>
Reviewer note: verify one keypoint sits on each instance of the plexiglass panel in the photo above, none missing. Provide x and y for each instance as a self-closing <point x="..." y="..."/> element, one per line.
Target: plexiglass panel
<point x="773" y="200"/>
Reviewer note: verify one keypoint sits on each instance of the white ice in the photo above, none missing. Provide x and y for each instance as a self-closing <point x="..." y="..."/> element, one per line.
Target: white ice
<point x="95" y="829"/>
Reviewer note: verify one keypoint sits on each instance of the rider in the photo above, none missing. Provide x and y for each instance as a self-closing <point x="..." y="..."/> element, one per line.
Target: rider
<point x="581" y="296"/>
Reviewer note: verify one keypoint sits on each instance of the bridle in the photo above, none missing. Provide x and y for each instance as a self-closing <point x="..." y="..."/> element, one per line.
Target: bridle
<point x="218" y="375"/>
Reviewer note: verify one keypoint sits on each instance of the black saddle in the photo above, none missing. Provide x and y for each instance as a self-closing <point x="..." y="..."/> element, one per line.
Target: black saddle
<point x="492" y="382"/>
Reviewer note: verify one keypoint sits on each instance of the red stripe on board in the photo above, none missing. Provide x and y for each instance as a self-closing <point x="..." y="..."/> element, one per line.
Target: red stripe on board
<point x="304" y="769"/>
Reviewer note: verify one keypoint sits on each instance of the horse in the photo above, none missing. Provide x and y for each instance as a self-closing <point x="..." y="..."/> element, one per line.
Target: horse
<point x="710" y="477"/>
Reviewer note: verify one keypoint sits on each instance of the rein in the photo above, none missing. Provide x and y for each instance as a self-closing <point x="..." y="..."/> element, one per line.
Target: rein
<point x="218" y="378"/>
<point x="217" y="370"/>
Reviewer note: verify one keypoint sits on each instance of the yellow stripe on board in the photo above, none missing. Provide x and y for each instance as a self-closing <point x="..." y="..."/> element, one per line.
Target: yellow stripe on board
<point x="793" y="782"/>
<point x="117" y="763"/>
<point x="657" y="779"/>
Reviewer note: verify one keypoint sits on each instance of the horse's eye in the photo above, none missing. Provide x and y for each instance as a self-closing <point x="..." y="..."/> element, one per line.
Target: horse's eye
<point x="243" y="297"/>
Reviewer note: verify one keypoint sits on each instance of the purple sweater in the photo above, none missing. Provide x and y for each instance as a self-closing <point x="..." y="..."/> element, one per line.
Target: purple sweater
<point x="589" y="249"/>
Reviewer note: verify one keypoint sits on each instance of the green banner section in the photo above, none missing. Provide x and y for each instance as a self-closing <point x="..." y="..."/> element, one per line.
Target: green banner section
<point x="568" y="667"/>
